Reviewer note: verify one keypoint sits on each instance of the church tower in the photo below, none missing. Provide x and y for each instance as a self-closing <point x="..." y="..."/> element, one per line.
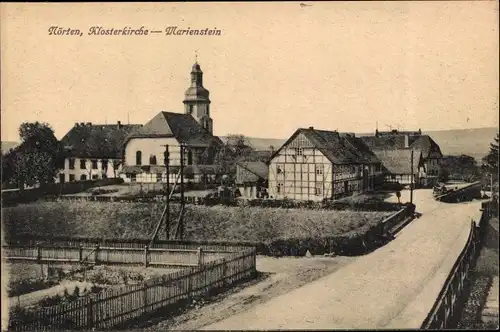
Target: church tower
<point x="196" y="100"/>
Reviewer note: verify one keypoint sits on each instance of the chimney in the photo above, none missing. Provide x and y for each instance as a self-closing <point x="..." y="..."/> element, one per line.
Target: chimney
<point x="119" y="124"/>
<point x="82" y="124"/>
<point x="76" y="124"/>
<point x="89" y="123"/>
<point x="407" y="141"/>
<point x="419" y="131"/>
<point x="312" y="128"/>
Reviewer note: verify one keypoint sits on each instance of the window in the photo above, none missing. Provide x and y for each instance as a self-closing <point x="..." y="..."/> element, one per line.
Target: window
<point x="83" y="164"/>
<point x="319" y="169"/>
<point x="299" y="151"/>
<point x="208" y="110"/>
<point x="190" y="109"/>
<point x="158" y="177"/>
<point x="353" y="170"/>
<point x="152" y="160"/>
<point x="279" y="169"/>
<point x="138" y="158"/>
<point x="71" y="163"/>
<point x="116" y="164"/>
<point x="71" y="177"/>
<point x="279" y="188"/>
<point x="94" y="164"/>
<point x="132" y="177"/>
<point x="83" y="177"/>
<point x="95" y="177"/>
<point x="190" y="157"/>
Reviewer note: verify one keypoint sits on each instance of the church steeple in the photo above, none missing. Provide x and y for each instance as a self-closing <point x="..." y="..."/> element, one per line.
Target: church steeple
<point x="196" y="99"/>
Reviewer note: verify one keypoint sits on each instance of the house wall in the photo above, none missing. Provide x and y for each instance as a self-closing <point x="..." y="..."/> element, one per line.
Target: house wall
<point x="156" y="147"/>
<point x="88" y="172"/>
<point x="432" y="166"/>
<point x="153" y="177"/>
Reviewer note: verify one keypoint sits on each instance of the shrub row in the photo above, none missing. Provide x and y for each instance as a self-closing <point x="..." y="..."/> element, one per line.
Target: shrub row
<point x="53" y="189"/>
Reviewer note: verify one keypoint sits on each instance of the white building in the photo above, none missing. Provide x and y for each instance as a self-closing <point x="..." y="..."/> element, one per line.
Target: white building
<point x="144" y="149"/>
<point x="93" y="151"/>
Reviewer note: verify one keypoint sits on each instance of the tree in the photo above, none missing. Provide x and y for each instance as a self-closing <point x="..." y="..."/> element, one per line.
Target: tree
<point x="37" y="159"/>
<point x="491" y="159"/>
<point x="234" y="149"/>
<point x="461" y="167"/>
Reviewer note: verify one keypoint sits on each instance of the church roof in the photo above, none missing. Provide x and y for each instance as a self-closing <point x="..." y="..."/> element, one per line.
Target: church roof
<point x="182" y="127"/>
<point x="88" y="140"/>
<point x="339" y="148"/>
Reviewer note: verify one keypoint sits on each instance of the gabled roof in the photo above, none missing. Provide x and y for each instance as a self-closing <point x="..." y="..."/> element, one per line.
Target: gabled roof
<point x="96" y="141"/>
<point x="426" y="144"/>
<point x="399" y="161"/>
<point x="339" y="148"/>
<point x="256" y="170"/>
<point x="182" y="127"/>
<point x="397" y="141"/>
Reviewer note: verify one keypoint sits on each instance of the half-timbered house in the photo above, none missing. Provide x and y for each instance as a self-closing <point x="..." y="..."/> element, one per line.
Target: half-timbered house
<point x="414" y="140"/>
<point x="318" y="164"/>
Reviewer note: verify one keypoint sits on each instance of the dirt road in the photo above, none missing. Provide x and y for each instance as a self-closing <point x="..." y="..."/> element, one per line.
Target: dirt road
<point x="393" y="287"/>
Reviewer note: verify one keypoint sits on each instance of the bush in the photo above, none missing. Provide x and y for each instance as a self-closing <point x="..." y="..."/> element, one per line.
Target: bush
<point x="138" y="220"/>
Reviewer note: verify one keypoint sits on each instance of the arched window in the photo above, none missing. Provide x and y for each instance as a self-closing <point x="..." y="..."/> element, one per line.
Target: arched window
<point x="152" y="160"/>
<point x="138" y="158"/>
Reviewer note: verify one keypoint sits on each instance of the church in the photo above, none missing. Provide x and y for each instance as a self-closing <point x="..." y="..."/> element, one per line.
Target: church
<point x="144" y="148"/>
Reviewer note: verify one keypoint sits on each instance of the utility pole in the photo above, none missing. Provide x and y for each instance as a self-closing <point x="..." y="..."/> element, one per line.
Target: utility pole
<point x="411" y="179"/>
<point x="167" y="206"/>
<point x="181" y="217"/>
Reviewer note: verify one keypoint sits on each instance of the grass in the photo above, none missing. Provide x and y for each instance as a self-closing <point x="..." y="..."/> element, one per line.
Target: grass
<point x="138" y="220"/>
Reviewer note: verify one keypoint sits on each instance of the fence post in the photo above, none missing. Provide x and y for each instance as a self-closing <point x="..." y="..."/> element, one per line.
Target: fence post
<point x="38" y="253"/>
<point x="146" y="251"/>
<point x="90" y="314"/>
<point x="80" y="253"/>
<point x="145" y="298"/>
<point x="96" y="255"/>
<point x="200" y="256"/>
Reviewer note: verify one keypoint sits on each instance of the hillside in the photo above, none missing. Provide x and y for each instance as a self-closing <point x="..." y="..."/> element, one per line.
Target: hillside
<point x="472" y="142"/>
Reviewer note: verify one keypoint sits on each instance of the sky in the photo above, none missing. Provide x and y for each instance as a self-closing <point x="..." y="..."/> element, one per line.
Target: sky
<point x="344" y="66"/>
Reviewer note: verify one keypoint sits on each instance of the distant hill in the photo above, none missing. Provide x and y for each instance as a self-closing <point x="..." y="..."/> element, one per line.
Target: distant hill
<point x="6" y="146"/>
<point x="472" y="142"/>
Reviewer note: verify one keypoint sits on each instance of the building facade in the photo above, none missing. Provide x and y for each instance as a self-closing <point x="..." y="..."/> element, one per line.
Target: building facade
<point x="414" y="140"/>
<point x="93" y="151"/>
<point x="316" y="164"/>
<point x="251" y="179"/>
<point x="397" y="166"/>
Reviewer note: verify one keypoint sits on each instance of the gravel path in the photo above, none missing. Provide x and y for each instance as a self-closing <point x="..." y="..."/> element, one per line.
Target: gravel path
<point x="379" y="290"/>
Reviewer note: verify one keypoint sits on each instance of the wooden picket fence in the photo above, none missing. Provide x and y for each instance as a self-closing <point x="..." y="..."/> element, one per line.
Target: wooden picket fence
<point x="111" y="255"/>
<point x="447" y="307"/>
<point x="116" y="306"/>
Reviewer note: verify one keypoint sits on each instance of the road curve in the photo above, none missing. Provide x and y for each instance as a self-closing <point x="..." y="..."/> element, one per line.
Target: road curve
<point x="393" y="287"/>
